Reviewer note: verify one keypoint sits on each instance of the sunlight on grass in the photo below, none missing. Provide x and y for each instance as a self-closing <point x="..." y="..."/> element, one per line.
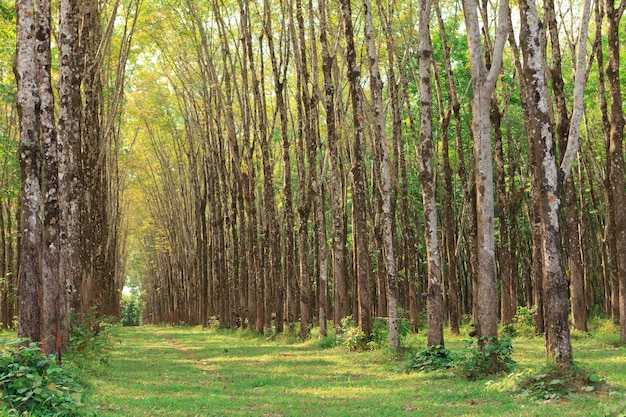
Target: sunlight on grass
<point x="165" y="371"/>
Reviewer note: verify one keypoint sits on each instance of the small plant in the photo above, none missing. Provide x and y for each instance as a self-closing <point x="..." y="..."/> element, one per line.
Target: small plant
<point x="214" y="323"/>
<point x="92" y="338"/>
<point x="433" y="358"/>
<point x="522" y="324"/>
<point x="509" y="331"/>
<point x="326" y="342"/>
<point x="32" y="382"/>
<point x="351" y="336"/>
<point x="555" y="382"/>
<point x="493" y="358"/>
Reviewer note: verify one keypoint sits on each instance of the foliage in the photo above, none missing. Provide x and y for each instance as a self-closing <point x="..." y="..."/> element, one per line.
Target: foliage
<point x="522" y="324"/>
<point x="433" y="358"/>
<point x="474" y="362"/>
<point x="92" y="336"/>
<point x="350" y="336"/>
<point x="326" y="342"/>
<point x="380" y="331"/>
<point x="131" y="309"/>
<point x="32" y="382"/>
<point x="551" y="382"/>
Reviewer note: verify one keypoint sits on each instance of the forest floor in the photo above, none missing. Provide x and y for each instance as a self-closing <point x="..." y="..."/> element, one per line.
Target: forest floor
<point x="185" y="371"/>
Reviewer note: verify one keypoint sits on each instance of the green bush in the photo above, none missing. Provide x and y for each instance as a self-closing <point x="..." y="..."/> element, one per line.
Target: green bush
<point x="524" y="321"/>
<point x="351" y="337"/>
<point x="33" y="384"/>
<point x="92" y="337"/>
<point x="551" y="382"/>
<point x="433" y="358"/>
<point x="474" y="362"/>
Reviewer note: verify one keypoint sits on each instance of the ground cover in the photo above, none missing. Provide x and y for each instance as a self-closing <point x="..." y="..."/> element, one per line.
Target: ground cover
<point x="182" y="371"/>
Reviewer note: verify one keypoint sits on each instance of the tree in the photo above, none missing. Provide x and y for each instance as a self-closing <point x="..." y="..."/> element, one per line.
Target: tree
<point x="50" y="313"/>
<point x="340" y="286"/>
<point x="385" y="179"/>
<point x="28" y="103"/>
<point x="434" y="298"/>
<point x="362" y="261"/>
<point x="615" y="156"/>
<point x="483" y="85"/>
<point x="554" y="280"/>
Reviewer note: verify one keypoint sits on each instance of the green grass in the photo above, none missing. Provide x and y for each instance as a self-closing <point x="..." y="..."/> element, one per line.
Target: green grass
<point x="168" y="371"/>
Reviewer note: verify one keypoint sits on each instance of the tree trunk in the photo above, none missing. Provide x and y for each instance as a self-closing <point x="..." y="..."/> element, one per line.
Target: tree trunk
<point x="426" y="151"/>
<point x="340" y="284"/>
<point x="554" y="280"/>
<point x="563" y="127"/>
<point x="30" y="152"/>
<point x="362" y="257"/>
<point x="483" y="86"/>
<point x="385" y="180"/>
<point x="50" y="323"/>
<point x="615" y="155"/>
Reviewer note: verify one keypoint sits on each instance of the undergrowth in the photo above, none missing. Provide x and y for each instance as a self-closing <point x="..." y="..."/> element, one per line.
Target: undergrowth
<point x="32" y="384"/>
<point x="551" y="382"/>
<point x="471" y="362"/>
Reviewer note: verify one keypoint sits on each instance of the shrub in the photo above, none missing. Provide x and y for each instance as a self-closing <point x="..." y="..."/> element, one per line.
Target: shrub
<point x="433" y="358"/>
<point x="475" y="362"/>
<point x="523" y="323"/>
<point x="32" y="382"/>
<point x="92" y="339"/>
<point x="351" y="337"/>
<point x="552" y="382"/>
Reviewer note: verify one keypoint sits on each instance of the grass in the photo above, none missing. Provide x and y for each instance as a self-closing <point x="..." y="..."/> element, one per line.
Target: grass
<point x="171" y="371"/>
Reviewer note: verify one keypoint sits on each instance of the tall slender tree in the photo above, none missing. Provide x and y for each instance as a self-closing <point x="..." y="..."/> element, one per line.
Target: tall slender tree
<point x="426" y="151"/>
<point x="362" y="261"/>
<point x="483" y="85"/>
<point x="28" y="104"/>
<point x="385" y="179"/>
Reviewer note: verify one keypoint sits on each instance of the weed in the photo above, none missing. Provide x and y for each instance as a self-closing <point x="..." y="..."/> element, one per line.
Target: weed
<point x="433" y="358"/>
<point x="474" y="362"/>
<point x="351" y="336"/>
<point x="32" y="382"/>
<point x="92" y="334"/>
<point x="552" y="382"/>
<point x="522" y="324"/>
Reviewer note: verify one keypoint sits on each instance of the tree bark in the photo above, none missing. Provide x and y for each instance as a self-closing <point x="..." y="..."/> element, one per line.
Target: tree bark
<point x="340" y="284"/>
<point x="69" y="137"/>
<point x="28" y="104"/>
<point x="483" y="86"/>
<point x="50" y="323"/>
<point x="434" y="297"/>
<point x="615" y="155"/>
<point x="362" y="261"/>
<point x="376" y="86"/>
<point x="554" y="280"/>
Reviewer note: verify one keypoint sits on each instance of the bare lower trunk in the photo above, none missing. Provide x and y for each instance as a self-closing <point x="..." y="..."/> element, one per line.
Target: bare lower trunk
<point x="385" y="181"/>
<point x="30" y="157"/>
<point x="362" y="257"/>
<point x="483" y="85"/>
<point x="554" y="280"/>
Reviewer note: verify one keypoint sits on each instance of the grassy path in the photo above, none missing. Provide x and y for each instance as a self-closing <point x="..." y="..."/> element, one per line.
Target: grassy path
<point x="164" y="371"/>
